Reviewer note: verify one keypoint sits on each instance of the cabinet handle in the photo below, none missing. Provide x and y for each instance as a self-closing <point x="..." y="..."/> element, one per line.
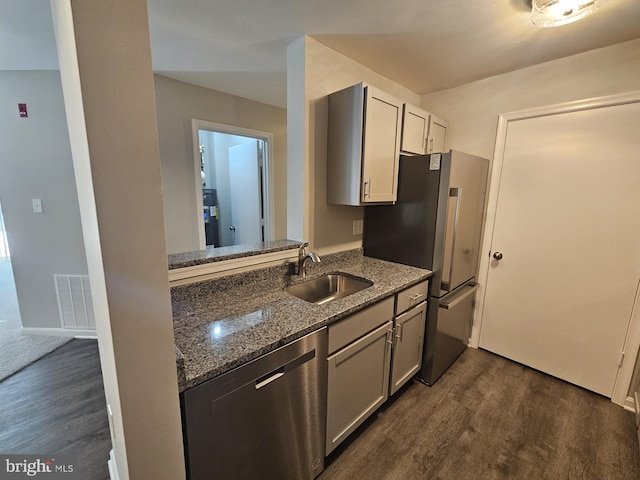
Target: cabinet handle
<point x="414" y="298"/>
<point x="390" y="337"/>
<point x="367" y="188"/>
<point x="399" y="332"/>
<point x="431" y="145"/>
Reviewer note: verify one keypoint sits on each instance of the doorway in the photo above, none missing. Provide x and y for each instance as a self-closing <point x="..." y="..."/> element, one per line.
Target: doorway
<point x="233" y="188"/>
<point x="561" y="284"/>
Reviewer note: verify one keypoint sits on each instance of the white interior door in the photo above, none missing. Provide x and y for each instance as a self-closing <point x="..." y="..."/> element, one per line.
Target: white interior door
<point x="244" y="179"/>
<point x="567" y="223"/>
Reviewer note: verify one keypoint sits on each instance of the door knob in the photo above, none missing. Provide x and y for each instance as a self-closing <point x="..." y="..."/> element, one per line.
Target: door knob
<point x="497" y="256"/>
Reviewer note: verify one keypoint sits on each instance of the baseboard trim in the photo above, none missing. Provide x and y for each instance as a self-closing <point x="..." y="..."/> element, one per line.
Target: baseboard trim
<point x="113" y="470"/>
<point x="630" y="404"/>
<point x="61" y="332"/>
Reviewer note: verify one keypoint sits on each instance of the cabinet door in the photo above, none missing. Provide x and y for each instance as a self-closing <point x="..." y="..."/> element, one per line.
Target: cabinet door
<point x="381" y="147"/>
<point x="407" y="346"/>
<point x="415" y="128"/>
<point x="437" y="138"/>
<point x="358" y="383"/>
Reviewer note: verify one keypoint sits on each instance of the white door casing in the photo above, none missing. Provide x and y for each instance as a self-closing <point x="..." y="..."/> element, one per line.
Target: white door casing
<point x="566" y="269"/>
<point x="268" y="175"/>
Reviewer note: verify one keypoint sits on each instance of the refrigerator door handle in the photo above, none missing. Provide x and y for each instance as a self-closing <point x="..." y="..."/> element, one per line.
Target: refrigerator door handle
<point x="470" y="289"/>
<point x="455" y="192"/>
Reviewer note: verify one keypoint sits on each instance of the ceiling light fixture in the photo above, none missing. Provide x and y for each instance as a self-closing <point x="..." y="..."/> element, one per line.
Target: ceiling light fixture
<point x="553" y="13"/>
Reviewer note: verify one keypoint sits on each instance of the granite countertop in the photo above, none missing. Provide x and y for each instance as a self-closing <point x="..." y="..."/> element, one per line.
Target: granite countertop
<point x="223" y="323"/>
<point x="218" y="254"/>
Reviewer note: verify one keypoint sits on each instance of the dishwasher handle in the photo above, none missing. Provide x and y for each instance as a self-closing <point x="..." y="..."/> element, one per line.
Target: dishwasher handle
<point x="270" y="377"/>
<point x="284" y="369"/>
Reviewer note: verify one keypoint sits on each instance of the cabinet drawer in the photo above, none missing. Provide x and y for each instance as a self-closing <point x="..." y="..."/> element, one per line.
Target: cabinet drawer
<point x="358" y="324"/>
<point x="412" y="296"/>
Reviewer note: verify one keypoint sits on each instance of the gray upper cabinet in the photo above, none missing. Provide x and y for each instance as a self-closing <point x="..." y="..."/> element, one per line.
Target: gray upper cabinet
<point x="437" y="138"/>
<point x="363" y="146"/>
<point x="415" y="129"/>
<point x="422" y="132"/>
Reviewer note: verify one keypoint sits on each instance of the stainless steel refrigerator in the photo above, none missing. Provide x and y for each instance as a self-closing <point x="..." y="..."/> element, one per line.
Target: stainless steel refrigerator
<point x="436" y="224"/>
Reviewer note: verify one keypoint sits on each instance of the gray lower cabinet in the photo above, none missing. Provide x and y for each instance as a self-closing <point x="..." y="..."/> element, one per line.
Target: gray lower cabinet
<point x="407" y="346"/>
<point x="358" y="369"/>
<point x="371" y="355"/>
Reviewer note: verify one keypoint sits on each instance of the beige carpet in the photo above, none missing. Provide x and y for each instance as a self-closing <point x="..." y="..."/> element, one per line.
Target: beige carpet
<point x="17" y="350"/>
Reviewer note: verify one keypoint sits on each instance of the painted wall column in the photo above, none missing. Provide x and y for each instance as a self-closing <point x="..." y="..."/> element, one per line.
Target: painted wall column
<point x="105" y="65"/>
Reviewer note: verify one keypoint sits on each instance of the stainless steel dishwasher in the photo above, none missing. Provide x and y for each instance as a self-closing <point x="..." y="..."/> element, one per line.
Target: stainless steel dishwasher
<point x="263" y="420"/>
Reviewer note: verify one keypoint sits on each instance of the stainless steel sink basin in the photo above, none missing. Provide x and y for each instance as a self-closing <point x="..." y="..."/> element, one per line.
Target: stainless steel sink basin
<point x="327" y="288"/>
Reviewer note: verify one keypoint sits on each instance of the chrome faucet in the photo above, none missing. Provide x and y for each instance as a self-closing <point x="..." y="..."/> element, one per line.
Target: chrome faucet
<point x="303" y="257"/>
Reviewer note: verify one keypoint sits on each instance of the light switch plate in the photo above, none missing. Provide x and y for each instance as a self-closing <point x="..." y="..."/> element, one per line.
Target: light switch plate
<point x="37" y="205"/>
<point x="357" y="227"/>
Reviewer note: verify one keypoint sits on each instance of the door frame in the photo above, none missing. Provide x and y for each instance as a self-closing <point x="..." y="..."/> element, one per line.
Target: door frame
<point x="632" y="340"/>
<point x="267" y="180"/>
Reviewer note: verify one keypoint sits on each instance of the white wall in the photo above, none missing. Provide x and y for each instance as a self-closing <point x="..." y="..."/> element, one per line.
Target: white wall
<point x="473" y="109"/>
<point x="325" y="71"/>
<point x="177" y="103"/>
<point x="35" y="162"/>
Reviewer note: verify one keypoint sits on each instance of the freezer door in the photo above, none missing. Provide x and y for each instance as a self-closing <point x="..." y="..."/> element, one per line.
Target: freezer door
<point x="449" y="321"/>
<point x="467" y="187"/>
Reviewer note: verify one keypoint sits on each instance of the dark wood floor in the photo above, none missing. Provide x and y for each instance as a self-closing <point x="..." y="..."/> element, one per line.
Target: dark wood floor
<point x="486" y="418"/>
<point x="490" y="418"/>
<point x="57" y="406"/>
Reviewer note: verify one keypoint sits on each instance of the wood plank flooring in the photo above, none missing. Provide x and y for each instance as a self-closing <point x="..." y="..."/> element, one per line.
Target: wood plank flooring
<point x="486" y="418"/>
<point x="490" y="418"/>
<point x="57" y="406"/>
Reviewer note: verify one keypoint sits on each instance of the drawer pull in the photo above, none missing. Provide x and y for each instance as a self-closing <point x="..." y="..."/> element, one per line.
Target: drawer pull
<point x="415" y="297"/>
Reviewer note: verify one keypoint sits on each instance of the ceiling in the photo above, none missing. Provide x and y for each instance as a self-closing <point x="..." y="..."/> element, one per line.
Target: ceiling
<point x="239" y="47"/>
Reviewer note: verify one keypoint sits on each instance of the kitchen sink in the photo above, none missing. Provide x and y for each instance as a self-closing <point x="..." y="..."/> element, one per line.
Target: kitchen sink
<point x="328" y="287"/>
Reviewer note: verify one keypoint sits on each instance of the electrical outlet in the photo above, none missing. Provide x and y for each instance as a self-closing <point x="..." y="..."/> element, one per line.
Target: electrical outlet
<point x="357" y="227"/>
